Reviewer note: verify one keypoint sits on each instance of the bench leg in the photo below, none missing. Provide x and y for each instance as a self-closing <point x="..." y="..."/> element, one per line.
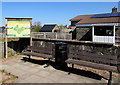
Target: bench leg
<point x="69" y="72"/>
<point x="110" y="79"/>
<point x="29" y="57"/>
<point x="72" y="68"/>
<point x="47" y="63"/>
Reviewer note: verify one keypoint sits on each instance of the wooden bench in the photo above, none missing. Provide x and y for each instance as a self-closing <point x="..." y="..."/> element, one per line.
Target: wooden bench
<point x="98" y="61"/>
<point x="43" y="52"/>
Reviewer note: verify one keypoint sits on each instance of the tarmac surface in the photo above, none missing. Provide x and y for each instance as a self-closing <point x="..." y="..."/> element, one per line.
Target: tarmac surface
<point x="1" y="49"/>
<point x="33" y="71"/>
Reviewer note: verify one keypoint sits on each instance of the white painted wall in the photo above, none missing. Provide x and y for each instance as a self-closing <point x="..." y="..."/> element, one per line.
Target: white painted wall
<point x="104" y="39"/>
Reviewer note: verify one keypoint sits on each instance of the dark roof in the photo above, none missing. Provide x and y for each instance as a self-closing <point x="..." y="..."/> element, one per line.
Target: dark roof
<point x="18" y="18"/>
<point x="48" y="28"/>
<point x="80" y="17"/>
<point x="88" y="19"/>
<point x="100" y="20"/>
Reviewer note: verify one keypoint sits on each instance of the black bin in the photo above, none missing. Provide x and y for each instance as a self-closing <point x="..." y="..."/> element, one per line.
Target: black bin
<point x="61" y="54"/>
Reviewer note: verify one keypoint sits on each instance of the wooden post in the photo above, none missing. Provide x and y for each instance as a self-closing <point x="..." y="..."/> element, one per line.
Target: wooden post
<point x="31" y="39"/>
<point x="72" y="66"/>
<point x="6" y="44"/>
<point x="110" y="79"/>
<point x="31" y="35"/>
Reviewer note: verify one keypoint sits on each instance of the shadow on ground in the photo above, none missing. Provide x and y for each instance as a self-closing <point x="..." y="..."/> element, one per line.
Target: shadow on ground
<point x="65" y="68"/>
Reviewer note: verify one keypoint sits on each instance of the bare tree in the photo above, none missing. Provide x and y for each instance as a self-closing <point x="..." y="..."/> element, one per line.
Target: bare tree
<point x="37" y="26"/>
<point x="38" y="23"/>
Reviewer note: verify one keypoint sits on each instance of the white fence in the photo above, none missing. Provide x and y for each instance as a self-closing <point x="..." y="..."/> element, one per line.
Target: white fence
<point x="50" y="35"/>
<point x="104" y="39"/>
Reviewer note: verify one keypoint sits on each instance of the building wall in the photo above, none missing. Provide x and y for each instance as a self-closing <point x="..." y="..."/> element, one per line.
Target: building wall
<point x="56" y="29"/>
<point x="117" y="35"/>
<point x="73" y="23"/>
<point x="84" y="33"/>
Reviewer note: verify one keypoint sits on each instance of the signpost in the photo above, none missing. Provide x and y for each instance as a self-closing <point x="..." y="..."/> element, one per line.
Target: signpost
<point x="17" y="28"/>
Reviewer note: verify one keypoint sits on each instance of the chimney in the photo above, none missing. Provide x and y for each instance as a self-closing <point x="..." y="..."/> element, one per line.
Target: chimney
<point x="114" y="10"/>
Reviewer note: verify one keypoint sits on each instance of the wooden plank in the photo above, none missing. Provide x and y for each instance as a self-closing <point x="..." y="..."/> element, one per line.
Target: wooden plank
<point x="73" y="41"/>
<point x="95" y="59"/>
<point x="93" y="65"/>
<point x="38" y="54"/>
<point x="111" y="57"/>
<point x="42" y="51"/>
<point x="92" y="57"/>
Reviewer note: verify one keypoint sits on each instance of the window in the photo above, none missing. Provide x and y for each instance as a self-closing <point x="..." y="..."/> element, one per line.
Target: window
<point x="103" y="30"/>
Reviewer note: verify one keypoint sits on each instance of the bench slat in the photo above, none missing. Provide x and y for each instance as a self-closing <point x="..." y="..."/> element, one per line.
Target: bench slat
<point x="92" y="65"/>
<point x="38" y="54"/>
<point x="47" y="48"/>
<point x="94" y="59"/>
<point x="92" y="54"/>
<point x="40" y="50"/>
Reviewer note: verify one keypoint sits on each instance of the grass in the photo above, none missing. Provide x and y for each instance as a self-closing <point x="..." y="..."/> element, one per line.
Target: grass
<point x="7" y="77"/>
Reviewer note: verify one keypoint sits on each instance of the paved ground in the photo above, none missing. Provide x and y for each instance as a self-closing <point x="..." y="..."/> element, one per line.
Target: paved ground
<point x="34" y="72"/>
<point x="1" y="48"/>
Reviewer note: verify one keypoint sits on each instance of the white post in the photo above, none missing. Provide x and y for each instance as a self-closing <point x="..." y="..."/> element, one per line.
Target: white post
<point x="6" y="44"/>
<point x="44" y="35"/>
<point x="56" y="35"/>
<point x="65" y="36"/>
<point x="93" y="33"/>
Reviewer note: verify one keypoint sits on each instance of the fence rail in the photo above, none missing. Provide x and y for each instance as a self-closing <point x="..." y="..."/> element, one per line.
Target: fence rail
<point x="50" y="35"/>
<point x="2" y="36"/>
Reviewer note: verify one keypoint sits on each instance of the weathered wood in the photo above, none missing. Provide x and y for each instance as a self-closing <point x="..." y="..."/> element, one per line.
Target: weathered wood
<point x="96" y="60"/>
<point x="92" y="65"/>
<point x="38" y="51"/>
<point x="50" y="35"/>
<point x="92" y="57"/>
<point x="6" y="44"/>
<point x="73" y="41"/>
<point x="77" y="52"/>
<point x="110" y="79"/>
<point x="38" y="54"/>
<point x="118" y="66"/>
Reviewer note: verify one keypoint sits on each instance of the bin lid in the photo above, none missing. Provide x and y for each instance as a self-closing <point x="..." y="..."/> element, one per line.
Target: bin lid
<point x="60" y="43"/>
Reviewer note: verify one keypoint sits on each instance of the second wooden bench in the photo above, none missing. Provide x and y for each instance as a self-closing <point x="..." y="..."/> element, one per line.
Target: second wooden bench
<point x="43" y="52"/>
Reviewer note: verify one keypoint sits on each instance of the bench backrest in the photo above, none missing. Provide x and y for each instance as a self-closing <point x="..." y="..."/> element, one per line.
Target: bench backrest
<point x="44" y="50"/>
<point x="93" y="57"/>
